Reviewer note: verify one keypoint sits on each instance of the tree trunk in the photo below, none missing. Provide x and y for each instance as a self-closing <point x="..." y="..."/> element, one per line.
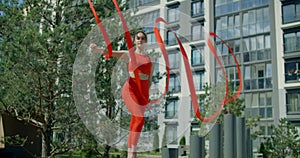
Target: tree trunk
<point x="46" y="137"/>
<point x="106" y="151"/>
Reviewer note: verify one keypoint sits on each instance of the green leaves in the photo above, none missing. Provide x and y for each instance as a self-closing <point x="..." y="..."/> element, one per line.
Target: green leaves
<point x="284" y="141"/>
<point x="39" y="42"/>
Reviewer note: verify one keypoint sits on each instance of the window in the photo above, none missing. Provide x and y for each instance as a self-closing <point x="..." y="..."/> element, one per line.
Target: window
<point x="293" y="101"/>
<point x="252" y="41"/>
<point x="151" y="37"/>
<point x="171" y="134"/>
<point x="260" y="42"/>
<point x="148" y="1"/>
<point x="267" y="42"/>
<point x="228" y="26"/>
<point x="256" y="21"/>
<point x="174" y="85"/>
<point x="291" y="12"/>
<point x="197" y="8"/>
<point x="265" y="107"/>
<point x="201" y="106"/>
<point x="198" y="78"/>
<point x="226" y="6"/>
<point x="148" y="23"/>
<point x="174" y="60"/>
<point x="173" y="14"/>
<point x="219" y="75"/>
<point x="171" y="109"/>
<point x="223" y="49"/>
<point x="236" y="47"/>
<point x="247" y="72"/>
<point x="259" y="104"/>
<point x="198" y="31"/>
<point x="232" y="75"/>
<point x="292" y="70"/>
<point x="269" y="130"/>
<point x="257" y="48"/>
<point x="266" y="130"/>
<point x="247" y="78"/>
<point x="149" y="18"/>
<point x="197" y="56"/>
<point x="171" y="39"/>
<point x="258" y="76"/>
<point x="268" y="76"/>
<point x="154" y="89"/>
<point x="253" y="3"/>
<point x="292" y="41"/>
<point x="246" y="45"/>
<point x="227" y="57"/>
<point x="144" y="2"/>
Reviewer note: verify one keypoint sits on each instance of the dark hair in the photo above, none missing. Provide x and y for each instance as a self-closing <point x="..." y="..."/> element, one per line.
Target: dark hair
<point x="144" y="33"/>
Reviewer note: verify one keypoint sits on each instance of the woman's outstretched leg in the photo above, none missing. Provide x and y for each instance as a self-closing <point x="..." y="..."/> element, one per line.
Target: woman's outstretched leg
<point x="136" y="126"/>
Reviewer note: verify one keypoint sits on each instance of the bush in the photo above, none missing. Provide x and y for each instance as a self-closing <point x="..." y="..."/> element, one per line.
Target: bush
<point x="182" y="141"/>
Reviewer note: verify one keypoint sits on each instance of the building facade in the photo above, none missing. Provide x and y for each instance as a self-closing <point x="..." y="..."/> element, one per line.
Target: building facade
<point x="264" y="35"/>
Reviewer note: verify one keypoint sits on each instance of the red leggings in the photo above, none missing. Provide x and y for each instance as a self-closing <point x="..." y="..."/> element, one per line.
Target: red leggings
<point x="136" y="126"/>
<point x="137" y="106"/>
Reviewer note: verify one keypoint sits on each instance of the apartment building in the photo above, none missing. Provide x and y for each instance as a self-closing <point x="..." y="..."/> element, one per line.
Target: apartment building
<point x="265" y="37"/>
<point x="288" y="60"/>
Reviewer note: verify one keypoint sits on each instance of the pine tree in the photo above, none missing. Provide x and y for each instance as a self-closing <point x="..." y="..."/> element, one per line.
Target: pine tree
<point x="39" y="42"/>
<point x="283" y="142"/>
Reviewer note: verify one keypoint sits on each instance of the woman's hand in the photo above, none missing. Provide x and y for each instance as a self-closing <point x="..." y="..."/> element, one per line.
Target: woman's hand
<point x="94" y="47"/>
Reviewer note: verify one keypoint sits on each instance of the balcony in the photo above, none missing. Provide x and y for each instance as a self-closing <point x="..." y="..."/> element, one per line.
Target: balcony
<point x="292" y="76"/>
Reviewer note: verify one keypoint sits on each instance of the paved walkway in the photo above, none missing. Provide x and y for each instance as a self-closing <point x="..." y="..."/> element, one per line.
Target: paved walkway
<point x="149" y="156"/>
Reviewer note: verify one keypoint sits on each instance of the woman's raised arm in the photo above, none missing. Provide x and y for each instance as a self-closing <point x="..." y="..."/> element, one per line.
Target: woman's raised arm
<point x="118" y="53"/>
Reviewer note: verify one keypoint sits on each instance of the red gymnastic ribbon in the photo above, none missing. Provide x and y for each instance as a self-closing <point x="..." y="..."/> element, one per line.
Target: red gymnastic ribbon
<point x="212" y="48"/>
<point x="189" y="72"/>
<point x="161" y="44"/>
<point x="128" y="41"/>
<point x="131" y="51"/>
<point x="103" y="31"/>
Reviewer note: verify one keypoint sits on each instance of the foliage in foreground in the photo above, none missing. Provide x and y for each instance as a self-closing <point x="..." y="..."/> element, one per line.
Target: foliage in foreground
<point x="284" y="141"/>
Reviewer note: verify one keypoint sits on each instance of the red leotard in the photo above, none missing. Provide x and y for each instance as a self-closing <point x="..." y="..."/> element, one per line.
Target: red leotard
<point x="136" y="100"/>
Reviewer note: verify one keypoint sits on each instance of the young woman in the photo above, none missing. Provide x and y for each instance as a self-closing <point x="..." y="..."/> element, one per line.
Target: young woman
<point x="135" y="95"/>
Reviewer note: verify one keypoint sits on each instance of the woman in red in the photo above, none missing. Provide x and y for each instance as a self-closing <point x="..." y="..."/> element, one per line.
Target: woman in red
<point x="135" y="96"/>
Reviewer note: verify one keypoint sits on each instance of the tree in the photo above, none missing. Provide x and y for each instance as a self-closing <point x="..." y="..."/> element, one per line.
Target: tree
<point x="235" y="107"/>
<point x="284" y="141"/>
<point x="212" y="97"/>
<point x="182" y="141"/>
<point x="39" y="42"/>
